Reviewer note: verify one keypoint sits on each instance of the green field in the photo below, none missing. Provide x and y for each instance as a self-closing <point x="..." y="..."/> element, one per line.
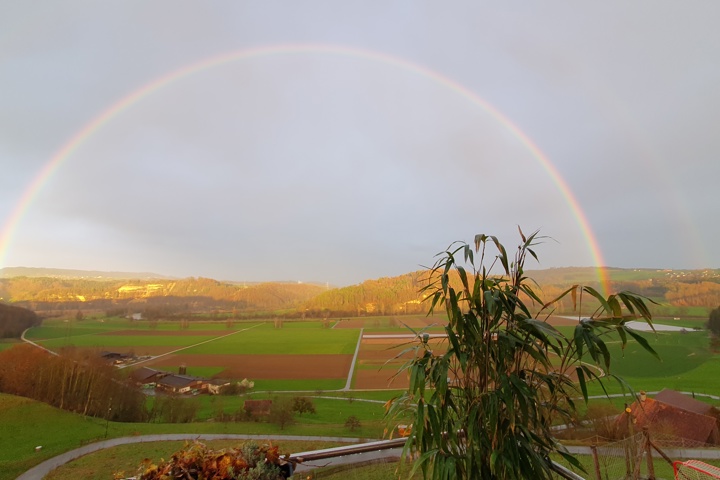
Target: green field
<point x="686" y="363"/>
<point x="298" y="339"/>
<point x="247" y="338"/>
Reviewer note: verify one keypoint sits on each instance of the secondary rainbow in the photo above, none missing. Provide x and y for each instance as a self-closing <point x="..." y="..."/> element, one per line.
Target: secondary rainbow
<point x="11" y="224"/>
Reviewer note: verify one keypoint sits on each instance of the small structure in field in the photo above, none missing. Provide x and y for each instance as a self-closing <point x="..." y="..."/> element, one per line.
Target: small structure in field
<point x="216" y="387"/>
<point x="115" y="358"/>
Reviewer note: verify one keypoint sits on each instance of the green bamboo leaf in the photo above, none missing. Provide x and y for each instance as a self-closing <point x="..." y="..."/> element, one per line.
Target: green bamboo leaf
<point x="642" y="341"/>
<point x="574" y="462"/>
<point x="522" y="235"/>
<point x="423" y="460"/>
<point x="604" y="351"/>
<point x="612" y="301"/>
<point x="623" y="336"/>
<point x="599" y="298"/>
<point x="463" y="278"/>
<point x="479" y="240"/>
<point x="579" y="337"/>
<point x="468" y="254"/>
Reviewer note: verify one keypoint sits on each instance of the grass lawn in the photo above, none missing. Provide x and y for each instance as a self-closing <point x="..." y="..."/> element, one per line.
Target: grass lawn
<point x="25" y="424"/>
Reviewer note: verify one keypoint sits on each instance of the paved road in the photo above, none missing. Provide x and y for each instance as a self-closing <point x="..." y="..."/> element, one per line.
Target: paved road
<point x="39" y="471"/>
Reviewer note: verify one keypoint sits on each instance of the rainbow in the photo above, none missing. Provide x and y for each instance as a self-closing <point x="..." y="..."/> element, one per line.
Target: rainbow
<point x="11" y="224"/>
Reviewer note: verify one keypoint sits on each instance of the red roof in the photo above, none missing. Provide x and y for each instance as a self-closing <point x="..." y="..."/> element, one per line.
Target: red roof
<point x="661" y="417"/>
<point x="677" y="399"/>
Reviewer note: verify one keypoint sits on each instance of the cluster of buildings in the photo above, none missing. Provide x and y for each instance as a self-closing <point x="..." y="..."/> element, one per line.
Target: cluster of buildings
<point x="178" y="384"/>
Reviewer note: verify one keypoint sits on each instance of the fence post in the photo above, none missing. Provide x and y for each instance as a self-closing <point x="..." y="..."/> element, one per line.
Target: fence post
<point x="596" y="462"/>
<point x="626" y="442"/>
<point x="648" y="447"/>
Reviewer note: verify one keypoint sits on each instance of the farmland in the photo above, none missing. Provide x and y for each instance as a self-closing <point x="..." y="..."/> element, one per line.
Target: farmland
<point x="308" y="356"/>
<point x="314" y="355"/>
<point x="292" y="355"/>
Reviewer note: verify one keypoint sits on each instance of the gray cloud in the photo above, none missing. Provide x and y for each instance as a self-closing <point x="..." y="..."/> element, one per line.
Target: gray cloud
<point x="326" y="167"/>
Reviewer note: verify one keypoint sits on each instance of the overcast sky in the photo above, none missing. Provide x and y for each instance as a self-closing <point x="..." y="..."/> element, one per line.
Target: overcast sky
<point x="357" y="145"/>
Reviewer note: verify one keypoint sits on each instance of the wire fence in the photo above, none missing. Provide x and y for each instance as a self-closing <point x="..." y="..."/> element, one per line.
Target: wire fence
<point x="641" y="456"/>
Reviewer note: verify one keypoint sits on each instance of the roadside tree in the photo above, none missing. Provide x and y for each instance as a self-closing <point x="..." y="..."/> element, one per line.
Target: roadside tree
<point x="303" y="405"/>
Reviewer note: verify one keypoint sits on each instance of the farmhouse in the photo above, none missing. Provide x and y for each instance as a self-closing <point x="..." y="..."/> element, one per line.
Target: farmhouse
<point x="672" y="413"/>
<point x="180" y="383"/>
<point x="147" y="376"/>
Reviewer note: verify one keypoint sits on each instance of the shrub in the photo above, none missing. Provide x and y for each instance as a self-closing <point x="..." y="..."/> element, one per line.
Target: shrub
<point x="352" y="423"/>
<point x="196" y="461"/>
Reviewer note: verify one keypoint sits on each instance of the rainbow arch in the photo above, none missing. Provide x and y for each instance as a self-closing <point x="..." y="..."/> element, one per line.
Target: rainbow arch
<point x="126" y="102"/>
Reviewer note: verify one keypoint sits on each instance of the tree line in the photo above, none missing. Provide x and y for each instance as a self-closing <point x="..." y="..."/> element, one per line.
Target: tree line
<point x="15" y="320"/>
<point x="75" y="380"/>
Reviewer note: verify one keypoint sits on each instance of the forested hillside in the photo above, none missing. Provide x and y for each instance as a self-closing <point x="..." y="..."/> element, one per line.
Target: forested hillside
<point x="187" y="295"/>
<point x="678" y="290"/>
<point x="384" y="296"/>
